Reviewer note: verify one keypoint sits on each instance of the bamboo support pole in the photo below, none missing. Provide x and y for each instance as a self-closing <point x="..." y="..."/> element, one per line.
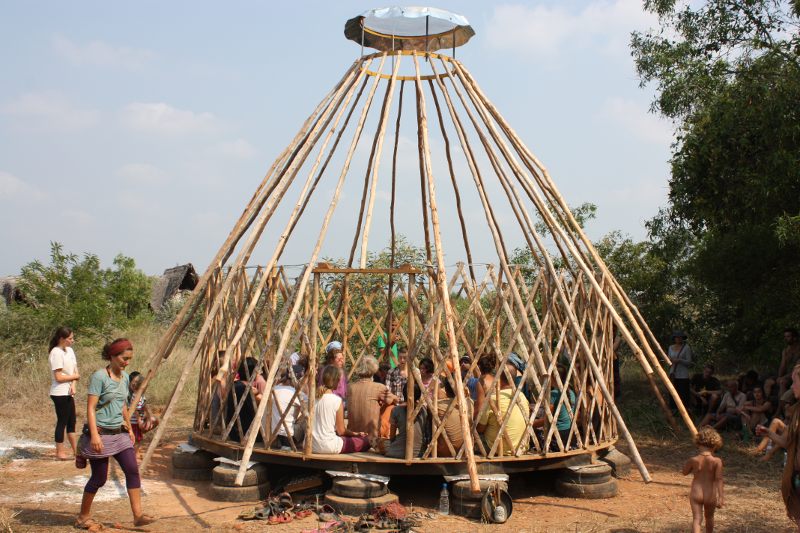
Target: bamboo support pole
<point x="266" y="207"/>
<point x="453" y="181"/>
<point x="562" y="296"/>
<point x="168" y="340"/>
<point x="571" y="316"/>
<point x="412" y="348"/>
<point x="274" y="201"/>
<point x="312" y="370"/>
<point x="300" y="206"/>
<point x="251" y="434"/>
<point x="442" y="285"/>
<point x="387" y="102"/>
<point x="634" y="317"/>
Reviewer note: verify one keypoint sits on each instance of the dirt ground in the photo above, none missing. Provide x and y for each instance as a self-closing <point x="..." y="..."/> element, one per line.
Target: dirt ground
<point x="44" y="495"/>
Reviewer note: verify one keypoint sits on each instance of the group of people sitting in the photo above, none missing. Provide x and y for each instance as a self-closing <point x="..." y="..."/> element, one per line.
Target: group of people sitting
<point x="749" y="400"/>
<point x="370" y="411"/>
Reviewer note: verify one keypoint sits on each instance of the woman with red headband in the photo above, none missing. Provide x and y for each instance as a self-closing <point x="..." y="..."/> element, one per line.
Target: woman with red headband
<point x="108" y="433"/>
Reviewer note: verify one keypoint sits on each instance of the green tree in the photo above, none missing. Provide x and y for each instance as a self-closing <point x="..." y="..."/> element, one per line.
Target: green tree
<point x="728" y="73"/>
<point x="76" y="291"/>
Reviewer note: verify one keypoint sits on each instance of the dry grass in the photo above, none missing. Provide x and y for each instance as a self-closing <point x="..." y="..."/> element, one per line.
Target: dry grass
<point x="26" y="377"/>
<point x="7" y="519"/>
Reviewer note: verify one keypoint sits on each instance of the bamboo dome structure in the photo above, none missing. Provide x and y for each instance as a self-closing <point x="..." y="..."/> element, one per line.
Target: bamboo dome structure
<point x="407" y="129"/>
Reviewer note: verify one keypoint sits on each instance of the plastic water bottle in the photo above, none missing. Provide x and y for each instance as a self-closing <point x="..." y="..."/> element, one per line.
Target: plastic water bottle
<point x="444" y="500"/>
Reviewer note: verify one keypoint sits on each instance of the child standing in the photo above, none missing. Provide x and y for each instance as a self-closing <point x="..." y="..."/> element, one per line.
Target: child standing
<point x="706" y="493"/>
<point x="142" y="420"/>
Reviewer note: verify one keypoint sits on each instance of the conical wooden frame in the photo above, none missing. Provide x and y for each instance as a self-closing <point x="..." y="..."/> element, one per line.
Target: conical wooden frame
<point x="565" y="311"/>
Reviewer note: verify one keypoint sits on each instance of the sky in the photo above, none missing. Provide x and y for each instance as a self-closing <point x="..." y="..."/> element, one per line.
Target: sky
<point x="143" y="128"/>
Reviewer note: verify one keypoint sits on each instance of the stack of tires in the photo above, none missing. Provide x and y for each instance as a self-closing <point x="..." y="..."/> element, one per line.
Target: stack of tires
<point x="192" y="465"/>
<point x="464" y="502"/>
<point x="592" y="481"/>
<point x="255" y="485"/>
<point x="356" y="496"/>
<point x="619" y="462"/>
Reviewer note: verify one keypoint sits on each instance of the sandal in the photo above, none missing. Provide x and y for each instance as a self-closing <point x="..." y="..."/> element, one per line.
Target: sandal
<point x="144" y="520"/>
<point x="88" y="524"/>
<point x="248" y="515"/>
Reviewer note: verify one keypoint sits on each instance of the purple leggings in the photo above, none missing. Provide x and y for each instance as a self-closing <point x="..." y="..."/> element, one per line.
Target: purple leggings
<point x="127" y="461"/>
<point x="355" y="444"/>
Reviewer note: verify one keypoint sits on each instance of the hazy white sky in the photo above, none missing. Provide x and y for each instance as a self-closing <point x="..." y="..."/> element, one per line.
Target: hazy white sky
<point x="143" y="128"/>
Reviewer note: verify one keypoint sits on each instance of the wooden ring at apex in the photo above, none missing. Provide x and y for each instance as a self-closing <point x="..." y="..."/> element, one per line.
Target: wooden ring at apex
<point x="358" y="488"/>
<point x="358" y="506"/>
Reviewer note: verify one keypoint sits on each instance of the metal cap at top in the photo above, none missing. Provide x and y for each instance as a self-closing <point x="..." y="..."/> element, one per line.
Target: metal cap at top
<point x="409" y="28"/>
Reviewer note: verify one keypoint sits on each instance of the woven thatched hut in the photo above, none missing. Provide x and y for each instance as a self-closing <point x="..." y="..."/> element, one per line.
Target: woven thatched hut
<point x="172" y="282"/>
<point x="9" y="287"/>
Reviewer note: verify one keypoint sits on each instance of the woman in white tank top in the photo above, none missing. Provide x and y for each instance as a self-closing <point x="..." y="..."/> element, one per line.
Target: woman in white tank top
<point x="329" y="434"/>
<point x="64" y="377"/>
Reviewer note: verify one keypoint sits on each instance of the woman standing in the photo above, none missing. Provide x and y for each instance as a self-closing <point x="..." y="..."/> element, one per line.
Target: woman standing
<point x="680" y="354"/>
<point x="64" y="367"/>
<point x="109" y="433"/>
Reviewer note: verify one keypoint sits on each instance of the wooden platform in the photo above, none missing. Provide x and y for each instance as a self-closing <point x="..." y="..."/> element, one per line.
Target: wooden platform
<point x="373" y="463"/>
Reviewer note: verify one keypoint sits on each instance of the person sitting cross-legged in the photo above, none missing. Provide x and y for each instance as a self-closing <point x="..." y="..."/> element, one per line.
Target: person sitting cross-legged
<point x="452" y="422"/>
<point x="328" y="433"/>
<point x="291" y="427"/>
<point x="365" y="398"/>
<point x="729" y="408"/>
<point x="705" y="390"/>
<point x="398" y="425"/>
<point x="499" y="404"/>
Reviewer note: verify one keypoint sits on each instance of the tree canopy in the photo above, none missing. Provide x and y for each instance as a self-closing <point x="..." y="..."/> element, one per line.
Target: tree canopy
<point x="728" y="73"/>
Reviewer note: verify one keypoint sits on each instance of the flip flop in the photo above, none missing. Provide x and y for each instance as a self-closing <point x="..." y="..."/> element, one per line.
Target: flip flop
<point x="265" y="513"/>
<point x="304" y="513"/>
<point x="89" y="524"/>
<point x="248" y="515"/>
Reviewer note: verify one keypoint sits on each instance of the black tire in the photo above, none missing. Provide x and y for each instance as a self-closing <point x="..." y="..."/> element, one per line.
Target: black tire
<point x="358" y="506"/>
<point x="191" y="474"/>
<point x="239" y="494"/>
<point x="466" y="508"/>
<point x="349" y="487"/>
<point x="594" y="491"/>
<point x="619" y="462"/>
<point x="460" y="490"/>
<point x="225" y="475"/>
<point x="591" y="474"/>
<point x="198" y="459"/>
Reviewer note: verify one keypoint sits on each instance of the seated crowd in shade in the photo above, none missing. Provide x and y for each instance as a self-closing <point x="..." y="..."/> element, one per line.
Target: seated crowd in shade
<point x="370" y="411"/>
<point x="743" y="403"/>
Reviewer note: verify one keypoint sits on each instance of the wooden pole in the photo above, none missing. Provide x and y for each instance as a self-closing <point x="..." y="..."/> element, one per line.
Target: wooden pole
<point x="379" y="139"/>
<point x="266" y="206"/>
<point x="441" y="282"/>
<point x="168" y="340"/>
<point x="252" y="433"/>
<point x="312" y="371"/>
<point x="549" y="187"/>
